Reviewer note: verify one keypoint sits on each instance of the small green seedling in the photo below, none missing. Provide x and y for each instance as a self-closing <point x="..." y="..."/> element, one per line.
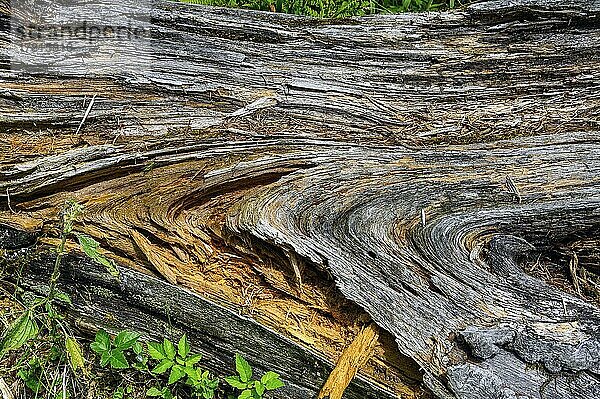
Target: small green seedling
<point x="113" y="352"/>
<point x="31" y="375"/>
<point x="164" y="392"/>
<point x="180" y="363"/>
<point x="252" y="389"/>
<point x="123" y="393"/>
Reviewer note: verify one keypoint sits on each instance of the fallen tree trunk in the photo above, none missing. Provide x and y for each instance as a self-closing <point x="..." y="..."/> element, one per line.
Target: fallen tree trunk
<point x="436" y="173"/>
<point x="155" y="308"/>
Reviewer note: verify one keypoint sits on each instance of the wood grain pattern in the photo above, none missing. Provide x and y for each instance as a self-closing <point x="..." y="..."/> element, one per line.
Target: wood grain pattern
<point x="157" y="309"/>
<point x="354" y="357"/>
<point x="436" y="173"/>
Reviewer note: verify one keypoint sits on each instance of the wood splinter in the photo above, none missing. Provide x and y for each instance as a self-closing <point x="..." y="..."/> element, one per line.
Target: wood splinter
<point x="354" y="357"/>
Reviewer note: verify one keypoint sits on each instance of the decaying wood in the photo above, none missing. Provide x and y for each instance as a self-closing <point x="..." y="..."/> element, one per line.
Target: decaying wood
<point x="354" y="357"/>
<point x="440" y="171"/>
<point x="5" y="390"/>
<point x="156" y="308"/>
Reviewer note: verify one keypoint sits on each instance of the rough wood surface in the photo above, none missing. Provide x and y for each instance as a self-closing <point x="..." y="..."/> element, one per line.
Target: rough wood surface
<point x="441" y="169"/>
<point x="157" y="309"/>
<point x="352" y="359"/>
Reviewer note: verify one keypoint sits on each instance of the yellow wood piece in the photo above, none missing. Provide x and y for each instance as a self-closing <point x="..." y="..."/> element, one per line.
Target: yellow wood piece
<point x="352" y="359"/>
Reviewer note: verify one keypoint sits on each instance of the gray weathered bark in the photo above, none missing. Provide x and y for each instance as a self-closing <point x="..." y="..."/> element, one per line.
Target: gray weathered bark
<point x="441" y="169"/>
<point x="155" y="308"/>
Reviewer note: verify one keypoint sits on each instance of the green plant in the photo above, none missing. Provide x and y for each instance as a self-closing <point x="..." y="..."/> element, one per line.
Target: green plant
<point x="250" y="388"/>
<point x="122" y="393"/>
<point x="43" y="367"/>
<point x="180" y="363"/>
<point x="25" y="327"/>
<point x="114" y="352"/>
<point x="202" y="384"/>
<point x="31" y="375"/>
<point x="69" y="214"/>
<point x="90" y="247"/>
<point x="333" y="8"/>
<point x="162" y="392"/>
<point x="40" y="332"/>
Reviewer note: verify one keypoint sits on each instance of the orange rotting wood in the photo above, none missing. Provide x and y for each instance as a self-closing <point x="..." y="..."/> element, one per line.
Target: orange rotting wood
<point x="352" y="359"/>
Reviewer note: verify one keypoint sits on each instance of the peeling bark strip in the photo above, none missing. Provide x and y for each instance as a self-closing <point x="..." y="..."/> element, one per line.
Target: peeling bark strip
<point x="440" y="171"/>
<point x="353" y="358"/>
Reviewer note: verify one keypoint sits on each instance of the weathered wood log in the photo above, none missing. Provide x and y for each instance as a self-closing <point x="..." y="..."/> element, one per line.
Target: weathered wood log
<point x="155" y="308"/>
<point x="439" y="171"/>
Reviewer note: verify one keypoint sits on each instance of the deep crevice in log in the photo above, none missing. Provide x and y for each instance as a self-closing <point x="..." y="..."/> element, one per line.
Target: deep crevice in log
<point x="120" y="304"/>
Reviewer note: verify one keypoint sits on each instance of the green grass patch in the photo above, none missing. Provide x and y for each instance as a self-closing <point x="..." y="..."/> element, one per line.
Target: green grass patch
<point x="334" y="8"/>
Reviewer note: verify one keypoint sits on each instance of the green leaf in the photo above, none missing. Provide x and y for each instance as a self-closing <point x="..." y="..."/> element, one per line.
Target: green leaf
<point x="243" y="368"/>
<point x="102" y="342"/>
<point x="213" y="384"/>
<point x="269" y="375"/>
<point x="125" y="340"/>
<point x="183" y="347"/>
<point x="21" y="330"/>
<point x="96" y="347"/>
<point x="156" y="350"/>
<point x="137" y="348"/>
<point x="192" y="360"/>
<point x="246" y="394"/>
<point x="192" y="373"/>
<point x="105" y="358"/>
<point x="119" y="393"/>
<point x="117" y="360"/>
<point x="153" y="392"/>
<point x="271" y="380"/>
<point x="163" y="366"/>
<point x="274" y="384"/>
<point x="31" y="379"/>
<point x="177" y="373"/>
<point x="235" y="382"/>
<point x="63" y="297"/>
<point x="259" y="387"/>
<point x="75" y="354"/>
<point x="166" y="393"/>
<point x="169" y="349"/>
<point x="90" y="248"/>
